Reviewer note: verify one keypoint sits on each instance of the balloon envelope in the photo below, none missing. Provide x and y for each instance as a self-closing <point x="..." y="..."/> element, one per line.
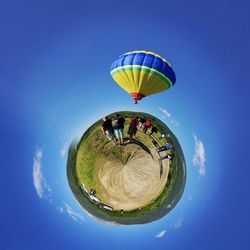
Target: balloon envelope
<point x="142" y="73"/>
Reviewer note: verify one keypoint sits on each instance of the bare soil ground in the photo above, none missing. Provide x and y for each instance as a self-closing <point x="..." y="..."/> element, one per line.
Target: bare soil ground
<point x="134" y="184"/>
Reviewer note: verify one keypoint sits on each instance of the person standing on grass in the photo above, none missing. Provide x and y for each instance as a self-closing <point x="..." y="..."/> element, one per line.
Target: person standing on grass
<point x="132" y="127"/>
<point x="107" y="129"/>
<point x="165" y="147"/>
<point x="147" y="126"/>
<point x="118" y="126"/>
<point x="141" y="123"/>
<point x="153" y="130"/>
<point x="167" y="156"/>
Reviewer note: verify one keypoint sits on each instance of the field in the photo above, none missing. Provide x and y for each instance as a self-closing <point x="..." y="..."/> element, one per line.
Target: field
<point x="93" y="151"/>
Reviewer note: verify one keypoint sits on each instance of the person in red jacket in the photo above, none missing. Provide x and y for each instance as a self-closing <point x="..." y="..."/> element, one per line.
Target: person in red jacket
<point x="147" y="126"/>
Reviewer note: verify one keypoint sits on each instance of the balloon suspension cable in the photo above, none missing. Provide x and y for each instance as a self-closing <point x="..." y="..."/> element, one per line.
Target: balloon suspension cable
<point x="135" y="101"/>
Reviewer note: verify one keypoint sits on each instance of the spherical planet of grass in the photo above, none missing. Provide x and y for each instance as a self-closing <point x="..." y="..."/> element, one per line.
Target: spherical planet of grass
<point x="128" y="184"/>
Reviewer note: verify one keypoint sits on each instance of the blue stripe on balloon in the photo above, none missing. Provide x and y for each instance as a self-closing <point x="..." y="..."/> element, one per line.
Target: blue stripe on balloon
<point x="148" y="60"/>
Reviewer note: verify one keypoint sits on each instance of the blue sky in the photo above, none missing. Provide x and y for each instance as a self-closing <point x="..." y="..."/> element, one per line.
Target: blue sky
<point x="54" y="82"/>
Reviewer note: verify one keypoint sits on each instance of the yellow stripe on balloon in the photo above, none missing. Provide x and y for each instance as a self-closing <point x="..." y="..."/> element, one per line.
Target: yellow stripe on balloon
<point x="140" y="69"/>
<point x="154" y="84"/>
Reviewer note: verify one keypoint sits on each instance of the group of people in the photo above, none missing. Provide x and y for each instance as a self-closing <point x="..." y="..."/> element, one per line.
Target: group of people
<point x="145" y="125"/>
<point x="166" y="147"/>
<point x="114" y="128"/>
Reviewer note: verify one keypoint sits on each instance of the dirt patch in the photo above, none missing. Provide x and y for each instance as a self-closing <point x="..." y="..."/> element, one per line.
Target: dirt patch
<point x="135" y="183"/>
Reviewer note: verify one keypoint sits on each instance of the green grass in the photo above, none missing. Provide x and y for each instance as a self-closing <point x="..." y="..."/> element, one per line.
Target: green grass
<point x="94" y="147"/>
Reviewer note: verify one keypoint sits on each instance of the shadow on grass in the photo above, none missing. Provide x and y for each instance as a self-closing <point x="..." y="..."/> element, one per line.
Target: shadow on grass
<point x="161" y="168"/>
<point x="140" y="144"/>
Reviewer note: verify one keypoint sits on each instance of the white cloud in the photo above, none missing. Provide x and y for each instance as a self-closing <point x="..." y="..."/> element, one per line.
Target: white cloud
<point x="164" y="111"/>
<point x="63" y="151"/>
<point x="38" y="179"/>
<point x="178" y="224"/>
<point x="111" y="223"/>
<point x="161" y="234"/>
<point x="60" y="209"/>
<point x="199" y="157"/>
<point x="72" y="214"/>
<point x="175" y="122"/>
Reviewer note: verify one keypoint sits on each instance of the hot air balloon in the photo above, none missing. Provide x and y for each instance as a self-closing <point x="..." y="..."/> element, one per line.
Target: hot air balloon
<point x="142" y="73"/>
